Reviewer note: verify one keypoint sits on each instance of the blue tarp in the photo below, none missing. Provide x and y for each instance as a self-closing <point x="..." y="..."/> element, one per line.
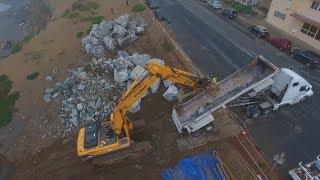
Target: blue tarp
<point x="200" y="167"/>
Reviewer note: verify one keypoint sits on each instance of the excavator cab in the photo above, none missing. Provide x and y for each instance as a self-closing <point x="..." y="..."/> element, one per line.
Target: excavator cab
<point x="98" y="138"/>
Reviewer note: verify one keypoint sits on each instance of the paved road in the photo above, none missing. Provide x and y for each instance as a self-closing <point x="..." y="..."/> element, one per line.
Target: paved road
<point x="220" y="47"/>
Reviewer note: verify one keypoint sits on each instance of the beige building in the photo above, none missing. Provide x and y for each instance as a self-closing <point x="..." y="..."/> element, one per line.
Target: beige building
<point x="300" y="18"/>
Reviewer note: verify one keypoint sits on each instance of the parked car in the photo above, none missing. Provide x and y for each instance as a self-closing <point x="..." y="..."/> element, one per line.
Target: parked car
<point x="215" y="4"/>
<point x="229" y="13"/>
<point x="309" y="58"/>
<point x="153" y="4"/>
<point x="159" y="15"/>
<point x="260" y="31"/>
<point x="283" y="44"/>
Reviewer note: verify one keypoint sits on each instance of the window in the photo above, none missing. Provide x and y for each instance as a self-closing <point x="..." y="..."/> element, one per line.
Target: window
<point x="310" y="30"/>
<point x="279" y="15"/>
<point x="295" y="84"/>
<point x="315" y="5"/>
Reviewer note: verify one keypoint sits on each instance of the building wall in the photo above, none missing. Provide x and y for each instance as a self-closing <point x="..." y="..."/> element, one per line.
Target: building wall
<point x="291" y="24"/>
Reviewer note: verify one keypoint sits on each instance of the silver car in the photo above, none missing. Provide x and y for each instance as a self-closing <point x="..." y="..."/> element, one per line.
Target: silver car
<point x="215" y="4"/>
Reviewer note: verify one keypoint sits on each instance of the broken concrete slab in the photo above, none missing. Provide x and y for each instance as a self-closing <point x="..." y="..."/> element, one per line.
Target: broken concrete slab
<point x="167" y="83"/>
<point x="154" y="88"/>
<point x="135" y="106"/>
<point x="137" y="72"/>
<point x="121" y="74"/>
<point x="171" y="93"/>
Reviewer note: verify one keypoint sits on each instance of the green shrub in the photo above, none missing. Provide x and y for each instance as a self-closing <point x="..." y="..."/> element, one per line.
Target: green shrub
<point x="79" y="35"/>
<point x="16" y="48"/>
<point x="7" y="101"/>
<point x="138" y="8"/>
<point x="27" y="39"/>
<point x="65" y="13"/>
<point x="166" y="46"/>
<point x="242" y="8"/>
<point x="93" y="19"/>
<point x="33" y="76"/>
<point x="74" y="15"/>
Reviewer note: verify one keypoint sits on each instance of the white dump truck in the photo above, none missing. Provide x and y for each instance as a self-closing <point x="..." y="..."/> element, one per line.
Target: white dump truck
<point x="261" y="83"/>
<point x="308" y="171"/>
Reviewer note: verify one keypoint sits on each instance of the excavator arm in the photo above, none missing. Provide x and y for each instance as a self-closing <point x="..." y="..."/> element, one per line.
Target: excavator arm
<point x="139" y="87"/>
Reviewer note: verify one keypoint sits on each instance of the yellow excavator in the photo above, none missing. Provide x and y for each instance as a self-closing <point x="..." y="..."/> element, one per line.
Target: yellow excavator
<point x="108" y="142"/>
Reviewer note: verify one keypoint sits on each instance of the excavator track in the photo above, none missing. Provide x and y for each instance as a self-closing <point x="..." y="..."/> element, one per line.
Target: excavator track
<point x="135" y="150"/>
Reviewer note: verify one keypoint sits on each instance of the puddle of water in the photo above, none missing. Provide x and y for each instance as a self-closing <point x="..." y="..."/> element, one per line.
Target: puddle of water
<point x="4" y="7"/>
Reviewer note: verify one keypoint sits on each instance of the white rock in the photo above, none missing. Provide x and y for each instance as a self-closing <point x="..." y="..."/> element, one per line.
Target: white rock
<point x="171" y="93"/>
<point x="122" y="20"/>
<point x="209" y="128"/>
<point x="79" y="106"/>
<point x="119" y="31"/>
<point x="82" y="75"/>
<point x="109" y="43"/>
<point x="167" y="83"/>
<point x="137" y="72"/>
<point x="81" y="87"/>
<point x="49" y="78"/>
<point x="49" y="91"/>
<point x="154" y="88"/>
<point x="47" y="98"/>
<point x="73" y="113"/>
<point x="55" y="95"/>
<point x="74" y="121"/>
<point x="135" y="106"/>
<point x="121" y="74"/>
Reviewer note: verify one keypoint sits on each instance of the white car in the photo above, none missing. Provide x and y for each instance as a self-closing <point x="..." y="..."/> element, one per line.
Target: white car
<point x="215" y="4"/>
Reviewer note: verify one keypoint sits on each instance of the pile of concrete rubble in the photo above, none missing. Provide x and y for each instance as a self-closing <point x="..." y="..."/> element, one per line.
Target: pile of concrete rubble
<point x="91" y="92"/>
<point x="108" y="35"/>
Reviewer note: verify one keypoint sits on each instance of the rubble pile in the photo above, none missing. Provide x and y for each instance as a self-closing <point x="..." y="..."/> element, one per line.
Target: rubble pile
<point x="91" y="92"/>
<point x="108" y="35"/>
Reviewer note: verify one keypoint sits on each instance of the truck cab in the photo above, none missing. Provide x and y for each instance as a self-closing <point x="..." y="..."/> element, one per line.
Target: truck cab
<point x="288" y="88"/>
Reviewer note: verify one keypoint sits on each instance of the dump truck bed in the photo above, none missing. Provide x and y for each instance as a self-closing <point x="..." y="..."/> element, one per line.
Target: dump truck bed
<point x="195" y="109"/>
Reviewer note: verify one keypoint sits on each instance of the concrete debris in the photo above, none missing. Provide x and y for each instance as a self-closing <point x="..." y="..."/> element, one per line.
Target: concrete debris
<point x="89" y="94"/>
<point x="49" y="78"/>
<point x="167" y="83"/>
<point x="209" y="128"/>
<point x="108" y="35"/>
<point x="137" y="72"/>
<point x="121" y="74"/>
<point x="47" y="98"/>
<point x="122" y="54"/>
<point x="154" y="88"/>
<point x="122" y="20"/>
<point x="135" y="106"/>
<point x="140" y="60"/>
<point x="171" y="93"/>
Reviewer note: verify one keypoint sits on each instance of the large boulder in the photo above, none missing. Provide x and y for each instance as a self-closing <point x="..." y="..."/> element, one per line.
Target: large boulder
<point x="125" y="41"/>
<point x="137" y="72"/>
<point x="119" y="31"/>
<point x="171" y="93"/>
<point x="121" y="74"/>
<point x="138" y="59"/>
<point x="109" y="43"/>
<point x="122" y="20"/>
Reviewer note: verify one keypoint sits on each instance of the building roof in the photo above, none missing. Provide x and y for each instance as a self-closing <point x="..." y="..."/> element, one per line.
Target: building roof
<point x="306" y="18"/>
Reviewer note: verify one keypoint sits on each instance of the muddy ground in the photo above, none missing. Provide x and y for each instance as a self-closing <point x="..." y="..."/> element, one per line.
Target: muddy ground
<point x="29" y="156"/>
